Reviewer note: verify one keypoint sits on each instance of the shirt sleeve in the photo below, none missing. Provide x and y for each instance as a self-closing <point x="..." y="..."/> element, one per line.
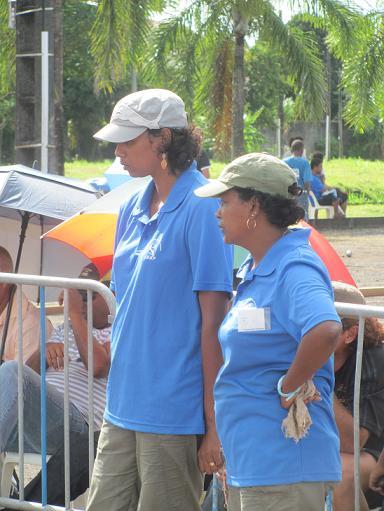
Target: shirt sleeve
<point x="104" y="335"/>
<point x="211" y="259"/>
<point x="116" y="242"/>
<point x="307" y="173"/>
<point x="57" y="335"/>
<point x="305" y="298"/>
<point x="372" y="392"/>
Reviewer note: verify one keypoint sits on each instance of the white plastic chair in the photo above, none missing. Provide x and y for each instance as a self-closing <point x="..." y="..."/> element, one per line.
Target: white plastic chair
<point x="8" y="462"/>
<point x="314" y="208"/>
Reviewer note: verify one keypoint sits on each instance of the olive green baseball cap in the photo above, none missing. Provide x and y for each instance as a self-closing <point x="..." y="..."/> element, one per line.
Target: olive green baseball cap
<point x="259" y="171"/>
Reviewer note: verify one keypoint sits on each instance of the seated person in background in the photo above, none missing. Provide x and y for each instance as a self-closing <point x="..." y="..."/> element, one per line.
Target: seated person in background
<point x="30" y="315"/>
<point x="78" y="396"/>
<point x="203" y="164"/>
<point x="325" y="195"/>
<point x="317" y="155"/>
<point x="371" y="399"/>
<point x="301" y="167"/>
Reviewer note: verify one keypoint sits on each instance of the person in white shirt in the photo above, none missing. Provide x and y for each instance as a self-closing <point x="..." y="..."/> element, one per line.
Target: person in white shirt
<point x="78" y="396"/>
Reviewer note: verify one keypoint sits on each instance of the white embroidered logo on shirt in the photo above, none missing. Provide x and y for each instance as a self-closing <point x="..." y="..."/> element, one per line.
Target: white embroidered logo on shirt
<point x="152" y="249"/>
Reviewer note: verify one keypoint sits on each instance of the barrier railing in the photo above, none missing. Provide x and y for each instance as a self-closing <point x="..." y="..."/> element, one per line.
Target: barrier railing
<point x="358" y="311"/>
<point x="372" y="291"/>
<point x="361" y="312"/>
<point x="89" y="286"/>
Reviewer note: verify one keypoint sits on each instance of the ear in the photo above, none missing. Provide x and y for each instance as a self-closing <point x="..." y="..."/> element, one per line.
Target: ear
<point x="166" y="136"/>
<point x="350" y="334"/>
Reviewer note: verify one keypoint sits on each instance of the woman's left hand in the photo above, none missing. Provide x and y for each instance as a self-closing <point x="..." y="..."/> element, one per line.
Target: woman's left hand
<point x="209" y="455"/>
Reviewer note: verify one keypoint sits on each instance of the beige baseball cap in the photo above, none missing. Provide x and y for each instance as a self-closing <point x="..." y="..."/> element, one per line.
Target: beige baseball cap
<point x="142" y="110"/>
<point x="259" y="171"/>
<point x="345" y="293"/>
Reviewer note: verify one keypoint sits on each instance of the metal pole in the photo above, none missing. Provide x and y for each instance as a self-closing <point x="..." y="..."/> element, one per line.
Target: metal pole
<point x="327" y="140"/>
<point x="43" y="409"/>
<point x="91" y="434"/>
<point x="356" y="412"/>
<point x="44" y="100"/>
<point x="67" y="453"/>
<point x="20" y="388"/>
<point x="278" y="137"/>
<point x="133" y="80"/>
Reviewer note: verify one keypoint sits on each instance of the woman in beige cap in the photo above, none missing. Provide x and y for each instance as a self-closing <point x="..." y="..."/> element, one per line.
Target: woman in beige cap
<point x="278" y="336"/>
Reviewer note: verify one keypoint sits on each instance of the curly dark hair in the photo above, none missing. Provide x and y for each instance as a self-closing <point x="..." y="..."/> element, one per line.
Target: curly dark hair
<point x="279" y="211"/>
<point x="182" y="147"/>
<point x="373" y="332"/>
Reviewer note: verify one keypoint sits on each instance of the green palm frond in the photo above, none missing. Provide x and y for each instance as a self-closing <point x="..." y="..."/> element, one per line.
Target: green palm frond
<point x="120" y="32"/>
<point x="363" y="76"/>
<point x="306" y="70"/>
<point x="7" y="52"/>
<point x="339" y="18"/>
<point x="215" y="90"/>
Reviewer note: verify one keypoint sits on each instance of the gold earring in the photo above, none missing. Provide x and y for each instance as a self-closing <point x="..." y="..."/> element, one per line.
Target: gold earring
<point x="254" y="224"/>
<point x="164" y="163"/>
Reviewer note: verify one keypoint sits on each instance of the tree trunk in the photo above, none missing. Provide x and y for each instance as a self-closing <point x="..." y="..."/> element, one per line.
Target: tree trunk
<point x="329" y="104"/>
<point x="238" y="93"/>
<point x="238" y="98"/>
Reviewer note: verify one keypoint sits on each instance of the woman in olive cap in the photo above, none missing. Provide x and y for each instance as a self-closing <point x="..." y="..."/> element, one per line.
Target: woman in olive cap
<point x="277" y="342"/>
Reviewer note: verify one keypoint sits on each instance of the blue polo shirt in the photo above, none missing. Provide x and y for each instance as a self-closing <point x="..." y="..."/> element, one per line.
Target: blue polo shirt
<point x="317" y="186"/>
<point x="155" y="382"/>
<point x="293" y="288"/>
<point x="301" y="167"/>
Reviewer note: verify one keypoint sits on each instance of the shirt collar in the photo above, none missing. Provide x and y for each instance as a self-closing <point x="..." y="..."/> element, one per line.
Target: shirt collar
<point x="178" y="193"/>
<point x="295" y="237"/>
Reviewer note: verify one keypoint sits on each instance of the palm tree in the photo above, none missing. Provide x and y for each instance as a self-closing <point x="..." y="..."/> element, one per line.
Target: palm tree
<point x="7" y="52"/>
<point x="363" y="69"/>
<point x="220" y="27"/>
<point x="119" y="34"/>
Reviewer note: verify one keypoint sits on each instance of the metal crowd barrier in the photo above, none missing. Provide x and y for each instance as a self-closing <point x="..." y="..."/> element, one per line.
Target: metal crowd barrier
<point x="361" y="312"/>
<point x="61" y="283"/>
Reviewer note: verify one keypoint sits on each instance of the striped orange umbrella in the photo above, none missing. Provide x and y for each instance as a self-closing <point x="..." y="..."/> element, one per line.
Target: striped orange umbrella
<point x="92" y="231"/>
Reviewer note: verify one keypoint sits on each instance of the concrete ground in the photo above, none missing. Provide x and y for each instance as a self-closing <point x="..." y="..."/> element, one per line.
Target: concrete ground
<point x="366" y="263"/>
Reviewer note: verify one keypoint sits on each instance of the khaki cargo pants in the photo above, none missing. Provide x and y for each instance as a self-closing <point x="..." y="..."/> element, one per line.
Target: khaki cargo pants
<point x="136" y="471"/>
<point x="284" y="497"/>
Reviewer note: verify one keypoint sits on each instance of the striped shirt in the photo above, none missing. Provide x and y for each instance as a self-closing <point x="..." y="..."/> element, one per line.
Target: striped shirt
<point x="78" y="375"/>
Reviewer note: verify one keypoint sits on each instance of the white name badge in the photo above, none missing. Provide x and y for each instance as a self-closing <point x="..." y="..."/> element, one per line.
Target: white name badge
<point x="251" y="319"/>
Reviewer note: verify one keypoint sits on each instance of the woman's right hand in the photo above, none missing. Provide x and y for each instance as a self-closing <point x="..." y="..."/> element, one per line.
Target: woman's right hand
<point x="288" y="403"/>
<point x="54" y="354"/>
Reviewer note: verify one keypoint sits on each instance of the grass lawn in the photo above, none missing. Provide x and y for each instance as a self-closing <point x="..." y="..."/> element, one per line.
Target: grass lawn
<point x="362" y="179"/>
<point x="83" y="169"/>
